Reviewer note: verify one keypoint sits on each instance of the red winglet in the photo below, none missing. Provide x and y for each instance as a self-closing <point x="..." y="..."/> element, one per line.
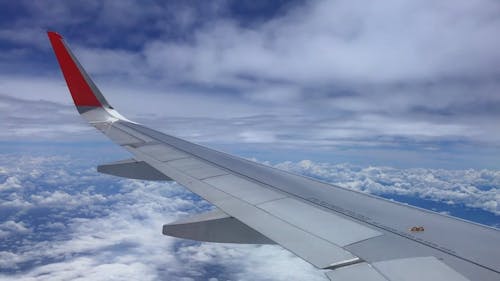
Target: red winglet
<point x="79" y="88"/>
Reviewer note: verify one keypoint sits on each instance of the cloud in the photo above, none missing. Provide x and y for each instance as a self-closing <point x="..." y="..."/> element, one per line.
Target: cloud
<point x="472" y="188"/>
<point x="11" y="228"/>
<point x="328" y="75"/>
<point x="342" y="42"/>
<point x="72" y="223"/>
<point x="76" y="224"/>
<point x="406" y="82"/>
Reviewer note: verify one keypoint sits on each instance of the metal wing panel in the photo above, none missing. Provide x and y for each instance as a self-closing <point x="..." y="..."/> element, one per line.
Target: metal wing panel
<point x="394" y="247"/>
<point x="356" y="272"/>
<point x="392" y="219"/>
<point x="244" y="189"/>
<point x="197" y="168"/>
<point x="317" y="251"/>
<point x="133" y="132"/>
<point x="450" y="235"/>
<point x="215" y="226"/>
<point x="130" y="168"/>
<point x="121" y="137"/>
<point x="162" y="152"/>
<point x="417" y="269"/>
<point x="309" y="247"/>
<point x="326" y="225"/>
<point x="408" y="269"/>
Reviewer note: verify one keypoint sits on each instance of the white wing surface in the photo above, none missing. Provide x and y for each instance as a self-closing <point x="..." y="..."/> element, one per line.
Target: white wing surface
<point x="350" y="235"/>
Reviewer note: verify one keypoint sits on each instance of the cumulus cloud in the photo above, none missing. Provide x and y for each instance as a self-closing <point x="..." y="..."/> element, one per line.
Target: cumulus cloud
<point x="76" y="224"/>
<point x="473" y="188"/>
<point x="12" y="228"/>
<point x="325" y="42"/>
<point x="72" y="223"/>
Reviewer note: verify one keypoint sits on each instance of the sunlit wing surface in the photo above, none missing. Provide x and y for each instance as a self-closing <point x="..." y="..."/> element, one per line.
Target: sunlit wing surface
<point x="350" y="235"/>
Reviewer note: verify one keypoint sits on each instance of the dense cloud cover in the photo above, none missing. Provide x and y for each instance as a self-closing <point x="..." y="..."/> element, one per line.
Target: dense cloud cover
<point x="394" y="75"/>
<point x="472" y="188"/>
<point x="61" y="220"/>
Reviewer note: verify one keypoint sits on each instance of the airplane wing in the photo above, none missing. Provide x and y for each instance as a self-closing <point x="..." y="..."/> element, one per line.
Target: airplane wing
<point x="348" y="234"/>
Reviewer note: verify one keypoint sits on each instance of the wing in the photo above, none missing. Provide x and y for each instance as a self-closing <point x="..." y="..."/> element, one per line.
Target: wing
<point x="350" y="235"/>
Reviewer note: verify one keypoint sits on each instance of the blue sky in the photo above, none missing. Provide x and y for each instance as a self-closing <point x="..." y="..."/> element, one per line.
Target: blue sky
<point x="395" y="98"/>
<point x="399" y="83"/>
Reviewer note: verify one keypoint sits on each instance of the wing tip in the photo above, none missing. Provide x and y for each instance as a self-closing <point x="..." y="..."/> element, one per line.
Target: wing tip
<point x="54" y="35"/>
<point x="82" y="89"/>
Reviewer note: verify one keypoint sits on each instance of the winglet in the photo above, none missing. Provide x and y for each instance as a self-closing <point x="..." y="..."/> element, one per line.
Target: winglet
<point x="83" y="91"/>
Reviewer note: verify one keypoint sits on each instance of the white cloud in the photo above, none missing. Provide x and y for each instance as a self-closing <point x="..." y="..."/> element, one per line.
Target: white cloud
<point x="101" y="228"/>
<point x="325" y="41"/>
<point x="317" y="74"/>
<point x="12" y="228"/>
<point x="473" y="188"/>
<point x="95" y="234"/>
<point x="10" y="183"/>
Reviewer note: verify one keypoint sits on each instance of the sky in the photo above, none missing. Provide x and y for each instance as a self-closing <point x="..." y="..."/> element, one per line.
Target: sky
<point x="399" y="99"/>
<point x="399" y="83"/>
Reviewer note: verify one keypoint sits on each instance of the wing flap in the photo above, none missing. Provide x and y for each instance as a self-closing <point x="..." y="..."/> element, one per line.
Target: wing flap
<point x="417" y="269"/>
<point x="132" y="169"/>
<point x="214" y="226"/>
<point x="356" y="272"/>
<point x="408" y="269"/>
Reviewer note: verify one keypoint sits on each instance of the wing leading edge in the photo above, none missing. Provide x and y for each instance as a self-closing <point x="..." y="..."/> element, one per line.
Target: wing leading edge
<point x="353" y="236"/>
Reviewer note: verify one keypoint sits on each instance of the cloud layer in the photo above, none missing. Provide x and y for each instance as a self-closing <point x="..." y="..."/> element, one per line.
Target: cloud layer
<point x="472" y="188"/>
<point x="61" y="220"/>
